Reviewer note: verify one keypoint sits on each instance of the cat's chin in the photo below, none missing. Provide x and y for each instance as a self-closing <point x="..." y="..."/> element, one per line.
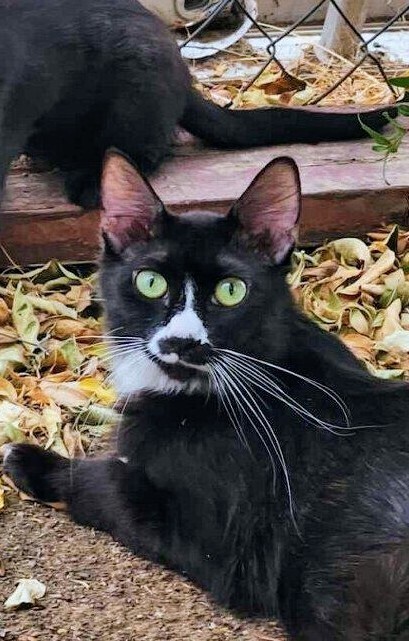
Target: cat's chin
<point x="147" y="374"/>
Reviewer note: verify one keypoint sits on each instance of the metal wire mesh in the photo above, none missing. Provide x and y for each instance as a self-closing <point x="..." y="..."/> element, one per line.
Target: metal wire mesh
<point x="363" y="54"/>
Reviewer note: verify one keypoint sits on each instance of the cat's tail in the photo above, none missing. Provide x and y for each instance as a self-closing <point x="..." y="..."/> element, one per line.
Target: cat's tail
<point x="275" y="125"/>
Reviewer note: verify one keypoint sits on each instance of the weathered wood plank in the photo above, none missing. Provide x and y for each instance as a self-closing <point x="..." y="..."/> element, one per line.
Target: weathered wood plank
<point x="344" y="193"/>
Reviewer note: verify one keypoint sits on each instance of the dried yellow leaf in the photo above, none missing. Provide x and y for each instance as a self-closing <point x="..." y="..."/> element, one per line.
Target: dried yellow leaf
<point x="66" y="328"/>
<point x="4" y="311"/>
<point x="51" y="306"/>
<point x="2" y="493"/>
<point x="382" y="265"/>
<point x="66" y="394"/>
<point x="391" y="321"/>
<point x="95" y="389"/>
<point x="358" y="321"/>
<point x="11" y="357"/>
<point x="7" y="390"/>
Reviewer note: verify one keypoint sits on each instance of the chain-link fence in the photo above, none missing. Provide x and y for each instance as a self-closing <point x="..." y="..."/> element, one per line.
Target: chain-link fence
<point x="363" y="56"/>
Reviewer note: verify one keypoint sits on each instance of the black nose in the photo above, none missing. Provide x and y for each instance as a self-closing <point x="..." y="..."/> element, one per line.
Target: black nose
<point x="188" y="349"/>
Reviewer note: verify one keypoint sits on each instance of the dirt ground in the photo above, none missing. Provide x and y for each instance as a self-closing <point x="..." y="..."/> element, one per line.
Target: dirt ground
<point x="97" y="590"/>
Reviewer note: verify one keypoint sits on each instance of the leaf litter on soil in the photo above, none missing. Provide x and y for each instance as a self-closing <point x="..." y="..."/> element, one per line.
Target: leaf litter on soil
<point x="53" y="387"/>
<point x="361" y="292"/>
<point x="53" y="377"/>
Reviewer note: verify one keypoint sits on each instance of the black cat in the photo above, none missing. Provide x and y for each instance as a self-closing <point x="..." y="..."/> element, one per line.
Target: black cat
<point x="77" y="77"/>
<point x="238" y="463"/>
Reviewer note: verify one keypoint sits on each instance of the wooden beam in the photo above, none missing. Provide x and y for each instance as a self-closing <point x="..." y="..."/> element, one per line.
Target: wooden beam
<point x="343" y="194"/>
<point x="337" y="34"/>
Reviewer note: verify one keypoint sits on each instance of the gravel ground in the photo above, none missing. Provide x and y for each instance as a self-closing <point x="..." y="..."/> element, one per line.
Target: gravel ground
<point x="97" y="590"/>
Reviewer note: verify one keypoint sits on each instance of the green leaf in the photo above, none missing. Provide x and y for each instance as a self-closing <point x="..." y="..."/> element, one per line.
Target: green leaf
<point x="379" y="319"/>
<point x="383" y="148"/>
<point x="400" y="81"/>
<point x="388" y="374"/>
<point x="12" y="433"/>
<point x="98" y="416"/>
<point x="24" y="319"/>
<point x="53" y="307"/>
<point x="71" y="353"/>
<point x="375" y="135"/>
<point x="403" y="110"/>
<point x="51" y="273"/>
<point x="388" y="296"/>
<point x="352" y="250"/>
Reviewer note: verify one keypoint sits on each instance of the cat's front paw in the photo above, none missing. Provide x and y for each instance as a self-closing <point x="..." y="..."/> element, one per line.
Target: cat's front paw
<point x="34" y="471"/>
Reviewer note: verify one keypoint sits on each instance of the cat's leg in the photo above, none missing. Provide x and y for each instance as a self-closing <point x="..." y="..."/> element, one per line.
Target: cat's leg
<point x="142" y="124"/>
<point x="82" y="184"/>
<point x="145" y="139"/>
<point x="140" y="120"/>
<point x="102" y="493"/>
<point x="74" y="152"/>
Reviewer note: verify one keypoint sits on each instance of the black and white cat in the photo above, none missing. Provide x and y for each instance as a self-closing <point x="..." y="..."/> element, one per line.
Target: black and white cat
<point x="255" y="453"/>
<point x="77" y="77"/>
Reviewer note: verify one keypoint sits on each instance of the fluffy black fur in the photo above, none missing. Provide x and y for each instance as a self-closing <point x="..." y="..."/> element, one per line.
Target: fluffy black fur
<point x="333" y="562"/>
<point x="77" y="77"/>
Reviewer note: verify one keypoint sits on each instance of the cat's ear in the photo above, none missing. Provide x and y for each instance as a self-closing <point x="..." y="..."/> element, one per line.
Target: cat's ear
<point x="131" y="210"/>
<point x="268" y="211"/>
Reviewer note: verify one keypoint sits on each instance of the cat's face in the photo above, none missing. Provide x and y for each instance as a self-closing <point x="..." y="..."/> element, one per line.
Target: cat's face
<point x="177" y="288"/>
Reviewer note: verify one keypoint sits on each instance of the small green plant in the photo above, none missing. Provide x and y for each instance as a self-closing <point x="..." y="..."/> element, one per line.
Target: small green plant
<point x="388" y="145"/>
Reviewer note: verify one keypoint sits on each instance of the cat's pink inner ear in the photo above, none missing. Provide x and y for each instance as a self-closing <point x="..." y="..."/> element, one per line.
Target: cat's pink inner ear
<point x="269" y="209"/>
<point x="130" y="207"/>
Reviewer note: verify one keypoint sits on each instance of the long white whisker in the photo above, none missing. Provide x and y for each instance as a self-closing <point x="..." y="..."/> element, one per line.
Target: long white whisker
<point x="113" y="339"/>
<point x="257" y="412"/>
<point x="323" y="388"/>
<point x="237" y="393"/>
<point x="222" y="387"/>
<point x="263" y="422"/>
<point x="120" y="351"/>
<point x="259" y="378"/>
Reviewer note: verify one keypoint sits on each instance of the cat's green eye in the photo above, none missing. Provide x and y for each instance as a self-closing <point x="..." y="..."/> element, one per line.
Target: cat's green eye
<point x="230" y="292"/>
<point x="150" y="284"/>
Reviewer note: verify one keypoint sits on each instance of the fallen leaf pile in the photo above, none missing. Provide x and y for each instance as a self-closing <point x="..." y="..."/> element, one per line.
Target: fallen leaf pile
<point x="52" y="374"/>
<point x="53" y="377"/>
<point x="361" y="292"/>
<point x="307" y="79"/>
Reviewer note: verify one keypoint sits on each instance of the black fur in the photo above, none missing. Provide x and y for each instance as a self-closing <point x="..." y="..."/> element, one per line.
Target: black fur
<point x="335" y="567"/>
<point x="77" y="77"/>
